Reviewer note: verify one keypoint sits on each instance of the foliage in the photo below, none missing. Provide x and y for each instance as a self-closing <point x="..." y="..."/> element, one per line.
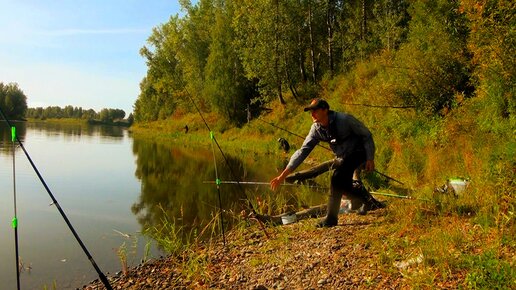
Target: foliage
<point x="432" y="66"/>
<point x="225" y="81"/>
<point x="12" y="101"/>
<point x="226" y="54"/>
<point x="493" y="45"/>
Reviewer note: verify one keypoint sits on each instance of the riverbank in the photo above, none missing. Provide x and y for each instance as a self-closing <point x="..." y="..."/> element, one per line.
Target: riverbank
<point x="448" y="241"/>
<point x="361" y="252"/>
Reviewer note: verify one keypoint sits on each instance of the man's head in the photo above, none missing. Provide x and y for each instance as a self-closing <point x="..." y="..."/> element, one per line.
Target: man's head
<point x="317" y="104"/>
<point x="319" y="109"/>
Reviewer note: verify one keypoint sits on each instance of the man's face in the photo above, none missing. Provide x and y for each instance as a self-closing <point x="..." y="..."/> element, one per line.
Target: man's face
<point x="320" y="116"/>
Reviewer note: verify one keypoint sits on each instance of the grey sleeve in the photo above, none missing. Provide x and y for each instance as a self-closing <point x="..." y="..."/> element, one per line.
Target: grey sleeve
<point x="367" y="138"/>
<point x="308" y="145"/>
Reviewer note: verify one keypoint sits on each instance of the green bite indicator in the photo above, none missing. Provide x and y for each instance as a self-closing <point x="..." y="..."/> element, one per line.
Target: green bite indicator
<point x="13" y="133"/>
<point x="15" y="223"/>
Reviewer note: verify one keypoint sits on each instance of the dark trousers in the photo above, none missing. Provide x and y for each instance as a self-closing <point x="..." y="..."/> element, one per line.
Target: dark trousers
<point x="342" y="182"/>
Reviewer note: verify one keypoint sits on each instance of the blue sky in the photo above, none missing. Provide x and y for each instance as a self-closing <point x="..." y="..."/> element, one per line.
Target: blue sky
<point x="83" y="53"/>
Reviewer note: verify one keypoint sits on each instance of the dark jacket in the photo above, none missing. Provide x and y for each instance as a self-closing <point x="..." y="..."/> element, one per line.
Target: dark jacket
<point x="345" y="134"/>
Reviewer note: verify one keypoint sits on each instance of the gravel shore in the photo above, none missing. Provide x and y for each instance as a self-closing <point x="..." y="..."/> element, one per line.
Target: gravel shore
<point x="296" y="256"/>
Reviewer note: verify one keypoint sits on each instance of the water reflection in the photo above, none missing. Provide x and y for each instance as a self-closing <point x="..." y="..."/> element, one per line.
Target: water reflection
<point x="90" y="169"/>
<point x="5" y="135"/>
<point x="172" y="187"/>
<point x="76" y="129"/>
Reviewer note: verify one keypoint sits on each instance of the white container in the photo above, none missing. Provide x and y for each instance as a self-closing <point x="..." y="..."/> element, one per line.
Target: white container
<point x="458" y="185"/>
<point x="289" y="218"/>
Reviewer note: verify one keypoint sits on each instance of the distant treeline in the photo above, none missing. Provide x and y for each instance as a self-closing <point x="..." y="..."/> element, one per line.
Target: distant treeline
<point x="13" y="103"/>
<point x="56" y="112"/>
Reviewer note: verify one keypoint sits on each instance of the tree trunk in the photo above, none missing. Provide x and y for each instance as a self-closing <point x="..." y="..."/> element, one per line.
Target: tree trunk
<point x="312" y="47"/>
<point x="276" y="55"/>
<point x="364" y="21"/>
<point x="301" y="58"/>
<point x="329" y="22"/>
<point x="289" y="79"/>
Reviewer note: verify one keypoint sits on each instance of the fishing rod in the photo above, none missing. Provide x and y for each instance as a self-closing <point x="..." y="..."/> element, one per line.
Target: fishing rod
<point x="102" y="277"/>
<point x="398" y="196"/>
<point x="217" y="180"/>
<point x="15" y="218"/>
<point x="225" y="159"/>
<point x="382" y="174"/>
<point x="264" y="183"/>
<point x="311" y="186"/>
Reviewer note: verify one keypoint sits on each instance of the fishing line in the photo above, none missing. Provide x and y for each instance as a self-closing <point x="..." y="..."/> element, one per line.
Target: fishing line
<point x="292" y="133"/>
<point x="217" y="181"/>
<point x="15" y="218"/>
<point x="102" y="277"/>
<point x="318" y="144"/>
<point x="379" y="106"/>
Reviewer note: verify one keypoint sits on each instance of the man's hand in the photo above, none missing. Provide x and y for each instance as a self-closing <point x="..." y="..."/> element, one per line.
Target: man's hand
<point x="279" y="179"/>
<point x="369" y="166"/>
<point x="276" y="182"/>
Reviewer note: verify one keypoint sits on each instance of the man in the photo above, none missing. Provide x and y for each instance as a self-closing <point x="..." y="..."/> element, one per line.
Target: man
<point x="351" y="142"/>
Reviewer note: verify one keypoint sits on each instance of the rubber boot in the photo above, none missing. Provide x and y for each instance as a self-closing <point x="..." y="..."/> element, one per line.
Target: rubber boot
<point x="332" y="217"/>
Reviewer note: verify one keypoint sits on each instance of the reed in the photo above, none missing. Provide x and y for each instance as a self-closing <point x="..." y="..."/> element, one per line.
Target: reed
<point x="122" y="256"/>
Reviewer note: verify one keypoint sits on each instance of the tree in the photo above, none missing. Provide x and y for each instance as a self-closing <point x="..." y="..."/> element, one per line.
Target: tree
<point x="260" y="38"/>
<point x="163" y="86"/>
<point x="433" y="63"/>
<point x="226" y="85"/>
<point x="12" y="101"/>
<point x="493" y="45"/>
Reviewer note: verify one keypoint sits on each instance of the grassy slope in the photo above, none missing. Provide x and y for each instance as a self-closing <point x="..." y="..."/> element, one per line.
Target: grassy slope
<point x="473" y="233"/>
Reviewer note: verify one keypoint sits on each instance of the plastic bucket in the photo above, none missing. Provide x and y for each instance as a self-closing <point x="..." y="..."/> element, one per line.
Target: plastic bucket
<point x="458" y="185"/>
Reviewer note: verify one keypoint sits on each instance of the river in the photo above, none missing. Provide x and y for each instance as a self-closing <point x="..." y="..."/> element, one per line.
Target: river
<point x="113" y="188"/>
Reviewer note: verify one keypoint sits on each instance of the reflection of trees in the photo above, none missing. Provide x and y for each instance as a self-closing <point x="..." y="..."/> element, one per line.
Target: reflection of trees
<point x="172" y="187"/>
<point x="75" y="129"/>
<point x="68" y="131"/>
<point x="5" y="135"/>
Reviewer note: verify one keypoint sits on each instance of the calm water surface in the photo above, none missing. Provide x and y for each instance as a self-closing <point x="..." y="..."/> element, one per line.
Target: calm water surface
<point x="110" y="186"/>
<point x="90" y="170"/>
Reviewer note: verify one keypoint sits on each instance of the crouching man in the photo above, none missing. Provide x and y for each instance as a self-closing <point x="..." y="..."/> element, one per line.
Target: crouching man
<point x="349" y="140"/>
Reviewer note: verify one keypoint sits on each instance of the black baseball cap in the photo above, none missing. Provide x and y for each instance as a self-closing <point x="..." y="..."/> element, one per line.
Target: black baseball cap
<point x="317" y="104"/>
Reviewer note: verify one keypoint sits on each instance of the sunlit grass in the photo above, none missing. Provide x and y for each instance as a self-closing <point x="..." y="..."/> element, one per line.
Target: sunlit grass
<point x="470" y="235"/>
